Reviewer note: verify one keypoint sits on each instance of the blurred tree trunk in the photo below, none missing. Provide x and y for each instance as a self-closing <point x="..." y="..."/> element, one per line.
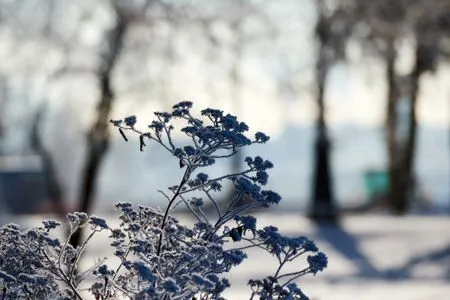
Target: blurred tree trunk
<point x="408" y="178"/>
<point x="402" y="149"/>
<point x="323" y="207"/>
<point x="3" y="99"/>
<point x="394" y="166"/>
<point x="53" y="184"/>
<point x="98" y="137"/>
<point x="236" y="89"/>
<point x="423" y="63"/>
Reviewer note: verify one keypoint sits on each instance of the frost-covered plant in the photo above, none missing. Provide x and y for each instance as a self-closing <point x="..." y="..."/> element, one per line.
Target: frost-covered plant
<point x="159" y="258"/>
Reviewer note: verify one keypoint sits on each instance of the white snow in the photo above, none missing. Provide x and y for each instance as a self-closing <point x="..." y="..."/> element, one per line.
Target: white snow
<point x="370" y="257"/>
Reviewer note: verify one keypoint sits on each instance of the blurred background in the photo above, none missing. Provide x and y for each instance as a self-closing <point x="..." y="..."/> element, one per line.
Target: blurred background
<point x="354" y="94"/>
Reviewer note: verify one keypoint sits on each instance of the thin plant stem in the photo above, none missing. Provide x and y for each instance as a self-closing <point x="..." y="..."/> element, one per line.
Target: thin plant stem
<point x="166" y="213"/>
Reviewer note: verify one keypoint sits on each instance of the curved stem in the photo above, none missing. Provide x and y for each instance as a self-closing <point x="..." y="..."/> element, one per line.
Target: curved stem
<point x="64" y="277"/>
<point x="166" y="213"/>
<point x="219" y="212"/>
<point x="296" y="274"/>
<point x="78" y="256"/>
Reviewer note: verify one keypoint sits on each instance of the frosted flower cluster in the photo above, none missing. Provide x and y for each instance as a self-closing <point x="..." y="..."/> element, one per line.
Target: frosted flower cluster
<point x="158" y="257"/>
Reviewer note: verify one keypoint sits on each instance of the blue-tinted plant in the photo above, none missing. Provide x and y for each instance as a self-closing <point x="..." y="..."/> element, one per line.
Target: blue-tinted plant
<point x="159" y="258"/>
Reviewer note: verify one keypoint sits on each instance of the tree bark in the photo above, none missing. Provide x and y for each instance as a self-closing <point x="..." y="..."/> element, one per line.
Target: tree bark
<point x="98" y="137"/>
<point x="402" y="149"/>
<point x="395" y="193"/>
<point x="323" y="206"/>
<point x="409" y="182"/>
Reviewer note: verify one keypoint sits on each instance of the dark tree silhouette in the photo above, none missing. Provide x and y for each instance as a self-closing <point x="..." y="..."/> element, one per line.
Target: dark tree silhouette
<point x="431" y="24"/>
<point x="98" y="137"/>
<point x="323" y="198"/>
<point x="385" y="23"/>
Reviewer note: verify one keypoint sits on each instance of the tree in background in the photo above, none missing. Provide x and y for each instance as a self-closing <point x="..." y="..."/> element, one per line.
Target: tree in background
<point x="98" y="137"/>
<point x="3" y="103"/>
<point x="54" y="186"/>
<point x="42" y="32"/>
<point x="379" y="27"/>
<point x="332" y="30"/>
<point x="385" y="23"/>
<point x="430" y="24"/>
<point x="154" y="40"/>
<point x="20" y="93"/>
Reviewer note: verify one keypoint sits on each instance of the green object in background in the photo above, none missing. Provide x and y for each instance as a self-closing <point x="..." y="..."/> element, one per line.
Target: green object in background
<point x="376" y="183"/>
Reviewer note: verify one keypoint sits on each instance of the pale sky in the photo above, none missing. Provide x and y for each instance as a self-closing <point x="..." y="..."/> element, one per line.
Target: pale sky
<point x="355" y="92"/>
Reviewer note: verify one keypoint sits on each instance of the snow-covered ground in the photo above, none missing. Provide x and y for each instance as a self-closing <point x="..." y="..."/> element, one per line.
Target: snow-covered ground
<point x="370" y="257"/>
